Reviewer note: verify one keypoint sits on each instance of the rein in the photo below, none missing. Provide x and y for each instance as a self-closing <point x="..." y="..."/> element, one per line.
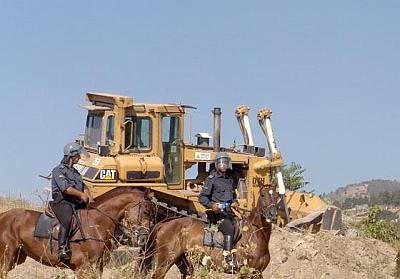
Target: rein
<point x="115" y="221"/>
<point x="102" y="212"/>
<point x="271" y="205"/>
<point x="263" y="210"/>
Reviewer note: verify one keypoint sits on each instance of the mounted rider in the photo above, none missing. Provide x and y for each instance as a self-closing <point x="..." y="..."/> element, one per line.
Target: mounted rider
<point x="219" y="195"/>
<point x="68" y="192"/>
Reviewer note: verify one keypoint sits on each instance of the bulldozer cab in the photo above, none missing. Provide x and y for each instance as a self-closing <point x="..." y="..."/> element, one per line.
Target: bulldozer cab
<point x="144" y="140"/>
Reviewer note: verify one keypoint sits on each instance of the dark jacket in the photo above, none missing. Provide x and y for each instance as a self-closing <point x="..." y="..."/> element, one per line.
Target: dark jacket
<point x="218" y="188"/>
<point x="62" y="178"/>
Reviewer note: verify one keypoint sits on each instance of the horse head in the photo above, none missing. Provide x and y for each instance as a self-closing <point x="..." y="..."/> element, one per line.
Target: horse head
<point x="267" y="203"/>
<point x="138" y="217"/>
<point x="135" y="213"/>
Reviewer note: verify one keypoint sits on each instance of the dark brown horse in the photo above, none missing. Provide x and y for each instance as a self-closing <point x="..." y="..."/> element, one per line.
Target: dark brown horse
<point x="171" y="242"/>
<point x="99" y="224"/>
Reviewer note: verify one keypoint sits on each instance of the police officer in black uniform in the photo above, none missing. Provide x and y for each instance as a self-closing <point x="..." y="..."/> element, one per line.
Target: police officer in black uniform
<point x="68" y="191"/>
<point x="219" y="195"/>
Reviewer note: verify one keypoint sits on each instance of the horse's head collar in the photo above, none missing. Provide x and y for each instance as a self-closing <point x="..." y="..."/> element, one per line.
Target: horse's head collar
<point x="268" y="206"/>
<point x="139" y="220"/>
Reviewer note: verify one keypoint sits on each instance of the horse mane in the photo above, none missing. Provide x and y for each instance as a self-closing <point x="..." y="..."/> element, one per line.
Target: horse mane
<point x="115" y="192"/>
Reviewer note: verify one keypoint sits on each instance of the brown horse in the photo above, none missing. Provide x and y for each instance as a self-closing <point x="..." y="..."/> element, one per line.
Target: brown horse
<point x="99" y="225"/>
<point x="171" y="242"/>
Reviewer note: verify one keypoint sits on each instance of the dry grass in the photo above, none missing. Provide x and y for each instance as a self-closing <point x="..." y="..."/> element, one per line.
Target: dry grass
<point x="7" y="203"/>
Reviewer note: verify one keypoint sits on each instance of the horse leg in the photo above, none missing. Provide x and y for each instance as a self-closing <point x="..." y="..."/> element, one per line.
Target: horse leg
<point x="164" y="263"/>
<point x="5" y="260"/>
<point x="162" y="269"/>
<point x="9" y="258"/>
<point x="145" y="264"/>
<point x="185" y="267"/>
<point x="88" y="266"/>
<point x="88" y="271"/>
<point x="20" y="256"/>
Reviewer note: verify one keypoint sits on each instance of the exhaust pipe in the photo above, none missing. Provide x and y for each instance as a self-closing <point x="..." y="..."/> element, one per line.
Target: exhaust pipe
<point x="217" y="129"/>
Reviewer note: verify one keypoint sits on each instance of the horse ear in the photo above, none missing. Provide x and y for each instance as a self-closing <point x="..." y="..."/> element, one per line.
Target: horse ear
<point x="149" y="194"/>
<point x="274" y="185"/>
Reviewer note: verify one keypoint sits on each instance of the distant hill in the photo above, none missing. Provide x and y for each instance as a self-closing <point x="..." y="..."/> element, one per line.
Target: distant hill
<point x="364" y="192"/>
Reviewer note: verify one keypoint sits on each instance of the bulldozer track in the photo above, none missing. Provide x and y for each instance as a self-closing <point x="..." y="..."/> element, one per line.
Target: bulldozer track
<point x="173" y="210"/>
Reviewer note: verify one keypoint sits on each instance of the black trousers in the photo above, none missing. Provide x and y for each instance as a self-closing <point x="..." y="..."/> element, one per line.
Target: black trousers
<point x="64" y="212"/>
<point x="226" y="226"/>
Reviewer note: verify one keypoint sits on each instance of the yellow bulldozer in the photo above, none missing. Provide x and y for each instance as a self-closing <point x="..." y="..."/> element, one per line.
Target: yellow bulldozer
<point x="150" y="145"/>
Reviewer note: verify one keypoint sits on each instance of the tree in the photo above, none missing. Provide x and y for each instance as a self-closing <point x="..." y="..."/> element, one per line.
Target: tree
<point x="348" y="203"/>
<point x="293" y="176"/>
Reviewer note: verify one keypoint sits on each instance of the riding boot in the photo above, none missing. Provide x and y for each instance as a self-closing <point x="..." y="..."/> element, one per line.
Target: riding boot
<point x="228" y="245"/>
<point x="63" y="250"/>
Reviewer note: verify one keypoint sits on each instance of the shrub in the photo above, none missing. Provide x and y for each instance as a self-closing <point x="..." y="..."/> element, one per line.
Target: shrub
<point x="380" y="229"/>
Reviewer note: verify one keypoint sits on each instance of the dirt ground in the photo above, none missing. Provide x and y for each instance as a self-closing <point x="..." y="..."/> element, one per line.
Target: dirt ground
<point x="329" y="255"/>
<point x="293" y="255"/>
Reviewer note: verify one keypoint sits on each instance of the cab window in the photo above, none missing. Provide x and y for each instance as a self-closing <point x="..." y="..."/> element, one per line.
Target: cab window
<point x="93" y="130"/>
<point x="171" y="149"/>
<point x="138" y="136"/>
<point x="110" y="131"/>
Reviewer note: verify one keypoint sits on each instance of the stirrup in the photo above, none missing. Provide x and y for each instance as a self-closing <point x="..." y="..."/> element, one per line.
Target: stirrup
<point x="230" y="268"/>
<point x="230" y="264"/>
<point x="64" y="254"/>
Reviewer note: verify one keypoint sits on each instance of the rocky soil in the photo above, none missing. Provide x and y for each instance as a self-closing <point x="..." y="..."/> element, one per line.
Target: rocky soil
<point x="329" y="255"/>
<point x="293" y="255"/>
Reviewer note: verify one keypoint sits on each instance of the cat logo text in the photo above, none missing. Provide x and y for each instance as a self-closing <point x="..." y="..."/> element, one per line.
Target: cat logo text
<point x="108" y="175"/>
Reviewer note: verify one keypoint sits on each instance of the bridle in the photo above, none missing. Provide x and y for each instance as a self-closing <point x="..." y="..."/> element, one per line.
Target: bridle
<point x="139" y="232"/>
<point x="269" y="211"/>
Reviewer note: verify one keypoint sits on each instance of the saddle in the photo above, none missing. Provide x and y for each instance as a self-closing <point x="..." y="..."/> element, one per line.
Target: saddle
<point x="47" y="225"/>
<point x="214" y="238"/>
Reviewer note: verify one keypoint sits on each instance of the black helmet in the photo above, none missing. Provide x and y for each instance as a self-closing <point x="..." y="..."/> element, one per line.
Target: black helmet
<point x="223" y="161"/>
<point x="73" y="148"/>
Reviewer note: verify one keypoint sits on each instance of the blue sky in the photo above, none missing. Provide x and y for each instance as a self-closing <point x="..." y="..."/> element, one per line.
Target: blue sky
<point x="330" y="72"/>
